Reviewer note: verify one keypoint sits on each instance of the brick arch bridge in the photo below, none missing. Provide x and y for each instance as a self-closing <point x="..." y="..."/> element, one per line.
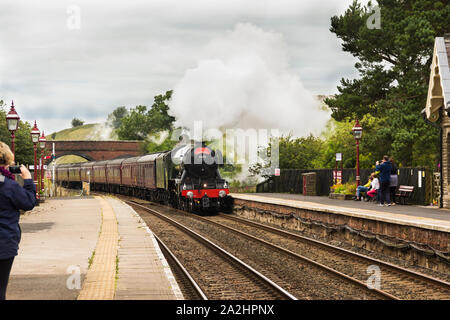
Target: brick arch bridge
<point x="95" y="150"/>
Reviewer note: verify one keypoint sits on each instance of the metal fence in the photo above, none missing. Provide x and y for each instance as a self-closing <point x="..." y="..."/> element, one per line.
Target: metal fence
<point x="290" y="181"/>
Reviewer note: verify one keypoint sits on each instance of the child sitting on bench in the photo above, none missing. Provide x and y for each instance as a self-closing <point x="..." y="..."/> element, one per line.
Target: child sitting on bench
<point x="375" y="186"/>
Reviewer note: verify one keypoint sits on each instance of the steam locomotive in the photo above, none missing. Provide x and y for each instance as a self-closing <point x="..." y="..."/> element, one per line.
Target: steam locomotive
<point x="187" y="178"/>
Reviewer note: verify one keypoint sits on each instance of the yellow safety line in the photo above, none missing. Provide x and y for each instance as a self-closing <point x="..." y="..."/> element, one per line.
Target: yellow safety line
<point x="100" y="279"/>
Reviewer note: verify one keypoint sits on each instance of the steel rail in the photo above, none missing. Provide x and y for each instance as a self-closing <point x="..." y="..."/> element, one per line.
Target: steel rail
<point x="303" y="258"/>
<point x="423" y="277"/>
<point x="216" y="248"/>
<point x="183" y="270"/>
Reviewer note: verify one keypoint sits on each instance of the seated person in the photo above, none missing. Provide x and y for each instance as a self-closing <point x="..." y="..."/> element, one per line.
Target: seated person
<point x="375" y="185"/>
<point x="363" y="188"/>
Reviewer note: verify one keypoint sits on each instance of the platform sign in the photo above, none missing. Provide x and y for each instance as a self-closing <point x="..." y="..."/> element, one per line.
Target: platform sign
<point x="277" y="172"/>
<point x="339" y="156"/>
<point x="337" y="176"/>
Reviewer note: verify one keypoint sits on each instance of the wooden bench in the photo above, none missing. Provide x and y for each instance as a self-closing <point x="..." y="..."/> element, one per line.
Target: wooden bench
<point x="404" y="193"/>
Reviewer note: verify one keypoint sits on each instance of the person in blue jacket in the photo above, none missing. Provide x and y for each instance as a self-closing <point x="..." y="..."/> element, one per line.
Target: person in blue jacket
<point x="13" y="198"/>
<point x="385" y="169"/>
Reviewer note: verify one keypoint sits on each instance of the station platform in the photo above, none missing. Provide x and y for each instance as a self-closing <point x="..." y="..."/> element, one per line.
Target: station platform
<point x="89" y="248"/>
<point x="418" y="216"/>
<point x="420" y="228"/>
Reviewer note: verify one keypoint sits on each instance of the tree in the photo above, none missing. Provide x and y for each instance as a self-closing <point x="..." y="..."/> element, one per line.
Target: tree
<point x="394" y="64"/>
<point x="23" y="144"/>
<point x="77" y="122"/>
<point x="294" y="153"/>
<point x="300" y="153"/>
<point x="141" y="123"/>
<point x="135" y="126"/>
<point x="115" y="118"/>
<point x="159" y="113"/>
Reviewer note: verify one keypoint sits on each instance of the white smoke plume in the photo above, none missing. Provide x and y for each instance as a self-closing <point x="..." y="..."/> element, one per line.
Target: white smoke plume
<point x="243" y="80"/>
<point x="102" y="131"/>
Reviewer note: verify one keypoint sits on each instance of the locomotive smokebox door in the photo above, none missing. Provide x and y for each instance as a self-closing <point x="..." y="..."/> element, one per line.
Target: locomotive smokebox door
<point x="205" y="201"/>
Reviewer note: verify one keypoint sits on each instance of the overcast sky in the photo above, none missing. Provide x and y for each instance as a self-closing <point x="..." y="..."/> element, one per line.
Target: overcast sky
<point x="126" y="52"/>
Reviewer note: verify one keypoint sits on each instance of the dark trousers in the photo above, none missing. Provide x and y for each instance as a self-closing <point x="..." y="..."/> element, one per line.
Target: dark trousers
<point x="5" y="269"/>
<point x="393" y="189"/>
<point x="385" y="192"/>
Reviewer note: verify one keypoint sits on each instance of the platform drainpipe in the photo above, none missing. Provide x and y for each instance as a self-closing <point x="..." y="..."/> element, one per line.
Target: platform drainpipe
<point x="441" y="196"/>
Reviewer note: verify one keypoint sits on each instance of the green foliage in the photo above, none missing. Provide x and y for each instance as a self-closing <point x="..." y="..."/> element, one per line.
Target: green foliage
<point x="339" y="138"/>
<point x="77" y="122"/>
<point x="23" y="144"/>
<point x="346" y="188"/>
<point x="115" y="118"/>
<point x="160" y="141"/>
<point x="301" y="153"/>
<point x="135" y="126"/>
<point x="139" y="123"/>
<point x="394" y="64"/>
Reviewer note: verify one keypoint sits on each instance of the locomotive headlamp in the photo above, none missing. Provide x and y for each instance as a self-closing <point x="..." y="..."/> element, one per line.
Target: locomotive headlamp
<point x="222" y="193"/>
<point x="205" y="185"/>
<point x="190" y="194"/>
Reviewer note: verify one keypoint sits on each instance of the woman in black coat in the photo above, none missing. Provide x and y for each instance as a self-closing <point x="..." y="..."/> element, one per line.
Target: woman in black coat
<point x="13" y="198"/>
<point x="393" y="182"/>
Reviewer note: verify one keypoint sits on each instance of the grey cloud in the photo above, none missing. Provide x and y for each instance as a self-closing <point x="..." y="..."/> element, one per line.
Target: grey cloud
<point x="127" y="52"/>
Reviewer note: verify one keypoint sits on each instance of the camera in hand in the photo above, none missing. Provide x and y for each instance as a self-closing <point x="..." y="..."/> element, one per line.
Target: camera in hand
<point x="14" y="169"/>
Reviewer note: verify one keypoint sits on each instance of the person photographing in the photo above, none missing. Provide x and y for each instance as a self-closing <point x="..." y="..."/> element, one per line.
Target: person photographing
<point x="13" y="198"/>
<point x="384" y="168"/>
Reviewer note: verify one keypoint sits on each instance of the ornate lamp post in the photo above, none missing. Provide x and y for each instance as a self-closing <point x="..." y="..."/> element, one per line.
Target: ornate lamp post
<point x="35" y="138"/>
<point x="12" y="121"/>
<point x="357" y="133"/>
<point x="42" y="141"/>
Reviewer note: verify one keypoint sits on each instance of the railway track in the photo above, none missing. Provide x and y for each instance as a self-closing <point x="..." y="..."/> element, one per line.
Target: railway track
<point x="218" y="274"/>
<point x="189" y="287"/>
<point x="303" y="278"/>
<point x="395" y="281"/>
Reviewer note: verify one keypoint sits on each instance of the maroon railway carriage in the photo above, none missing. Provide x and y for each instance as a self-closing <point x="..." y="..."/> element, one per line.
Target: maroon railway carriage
<point x="114" y="174"/>
<point x="129" y="176"/>
<point x="74" y="174"/>
<point x="62" y="174"/>
<point x="146" y="176"/>
<point x="86" y="172"/>
<point x="98" y="176"/>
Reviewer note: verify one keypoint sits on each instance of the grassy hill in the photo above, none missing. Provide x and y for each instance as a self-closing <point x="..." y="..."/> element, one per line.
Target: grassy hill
<point x="93" y="131"/>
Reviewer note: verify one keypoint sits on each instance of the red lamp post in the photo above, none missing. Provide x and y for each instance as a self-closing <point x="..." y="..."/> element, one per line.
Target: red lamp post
<point x="12" y="122"/>
<point x="357" y="133"/>
<point x="42" y="141"/>
<point x="35" y="138"/>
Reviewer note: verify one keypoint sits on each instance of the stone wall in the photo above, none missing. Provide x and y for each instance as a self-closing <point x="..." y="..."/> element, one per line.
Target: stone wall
<point x="417" y="246"/>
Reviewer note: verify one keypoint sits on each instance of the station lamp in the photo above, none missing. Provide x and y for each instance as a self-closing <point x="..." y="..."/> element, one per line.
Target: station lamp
<point x="42" y="141"/>
<point x="35" y="138"/>
<point x="12" y="122"/>
<point x="35" y="133"/>
<point x="357" y="133"/>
